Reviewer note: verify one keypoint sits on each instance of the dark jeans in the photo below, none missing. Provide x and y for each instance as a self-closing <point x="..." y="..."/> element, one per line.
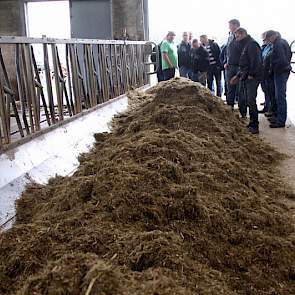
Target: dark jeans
<point x="268" y="87"/>
<point x="267" y="100"/>
<point x="225" y="84"/>
<point x="185" y="72"/>
<point x="160" y="76"/>
<point x="280" y="81"/>
<point x="270" y="84"/>
<point x="214" y="73"/>
<point x="247" y="98"/>
<point x="232" y="90"/>
<point x="169" y="74"/>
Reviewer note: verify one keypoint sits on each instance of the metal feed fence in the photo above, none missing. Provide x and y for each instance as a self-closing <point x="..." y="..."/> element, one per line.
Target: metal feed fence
<point x="46" y="82"/>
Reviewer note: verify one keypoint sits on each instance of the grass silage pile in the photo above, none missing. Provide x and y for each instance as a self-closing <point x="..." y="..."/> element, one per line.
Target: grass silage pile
<point x="178" y="199"/>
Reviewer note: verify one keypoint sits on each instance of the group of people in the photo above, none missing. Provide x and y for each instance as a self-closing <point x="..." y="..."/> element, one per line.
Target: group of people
<point x="244" y="64"/>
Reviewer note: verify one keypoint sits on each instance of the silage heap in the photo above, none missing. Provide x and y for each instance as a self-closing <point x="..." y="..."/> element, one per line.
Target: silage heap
<point x="178" y="199"/>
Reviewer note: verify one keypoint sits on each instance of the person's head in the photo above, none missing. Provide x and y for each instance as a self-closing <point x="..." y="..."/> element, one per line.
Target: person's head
<point x="272" y="36"/>
<point x="240" y="34"/>
<point x="195" y="43"/>
<point x="234" y="24"/>
<point x="190" y="36"/>
<point x="185" y="37"/>
<point x="170" y="36"/>
<point x="264" y="39"/>
<point x="204" y="39"/>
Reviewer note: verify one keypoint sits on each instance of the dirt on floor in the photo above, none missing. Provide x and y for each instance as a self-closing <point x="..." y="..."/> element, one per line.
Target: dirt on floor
<point x="178" y="199"/>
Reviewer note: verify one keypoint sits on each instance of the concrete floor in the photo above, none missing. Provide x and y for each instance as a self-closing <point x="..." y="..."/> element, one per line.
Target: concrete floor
<point x="284" y="140"/>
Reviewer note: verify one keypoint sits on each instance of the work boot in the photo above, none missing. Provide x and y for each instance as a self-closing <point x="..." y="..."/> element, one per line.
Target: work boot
<point x="276" y="125"/>
<point x="253" y="130"/>
<point x="268" y="114"/>
<point x="272" y="120"/>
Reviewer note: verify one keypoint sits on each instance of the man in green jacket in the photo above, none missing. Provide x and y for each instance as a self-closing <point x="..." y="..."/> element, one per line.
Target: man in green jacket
<point x="169" y="56"/>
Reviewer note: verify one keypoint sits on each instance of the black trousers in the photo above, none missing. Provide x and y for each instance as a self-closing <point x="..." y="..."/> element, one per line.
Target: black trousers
<point x="214" y="73"/>
<point x="169" y="74"/>
<point x="247" y="98"/>
<point x="232" y="90"/>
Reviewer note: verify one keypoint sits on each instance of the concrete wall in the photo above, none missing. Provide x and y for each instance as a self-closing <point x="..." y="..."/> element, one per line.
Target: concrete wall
<point x="12" y="18"/>
<point x="129" y="15"/>
<point x="12" y="23"/>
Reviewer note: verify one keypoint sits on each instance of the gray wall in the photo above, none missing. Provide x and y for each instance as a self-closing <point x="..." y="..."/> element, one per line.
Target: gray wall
<point x="12" y="18"/>
<point x="12" y="23"/>
<point x="129" y="15"/>
<point x="91" y="19"/>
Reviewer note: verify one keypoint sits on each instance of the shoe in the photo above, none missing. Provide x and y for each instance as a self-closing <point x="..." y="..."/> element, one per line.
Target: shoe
<point x="272" y="119"/>
<point x="263" y="111"/>
<point x="268" y="114"/>
<point x="253" y="130"/>
<point x="277" y="125"/>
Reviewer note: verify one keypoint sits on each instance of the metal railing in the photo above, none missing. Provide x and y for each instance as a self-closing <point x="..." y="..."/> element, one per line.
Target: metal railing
<point x="44" y="82"/>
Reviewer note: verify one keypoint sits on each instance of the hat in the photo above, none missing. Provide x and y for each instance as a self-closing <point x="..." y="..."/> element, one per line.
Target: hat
<point x="171" y="33"/>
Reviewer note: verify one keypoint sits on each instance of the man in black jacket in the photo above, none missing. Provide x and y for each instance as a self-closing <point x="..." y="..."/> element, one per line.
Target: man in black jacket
<point x="233" y="53"/>
<point x="249" y="75"/>
<point x="281" y="67"/>
<point x="184" y="49"/>
<point x="215" y="65"/>
<point x="199" y="62"/>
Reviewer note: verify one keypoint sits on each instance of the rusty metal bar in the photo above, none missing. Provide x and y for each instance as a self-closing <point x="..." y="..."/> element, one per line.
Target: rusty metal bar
<point x="26" y="40"/>
<point x="21" y="87"/>
<point x="28" y="102"/>
<point x="40" y="88"/>
<point x="57" y="78"/>
<point x="11" y="94"/>
<point x="48" y="82"/>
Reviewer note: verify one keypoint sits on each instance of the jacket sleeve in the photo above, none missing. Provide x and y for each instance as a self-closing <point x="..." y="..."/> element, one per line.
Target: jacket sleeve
<point x="206" y="59"/>
<point x="217" y="53"/>
<point x="281" y="56"/>
<point x="254" y="53"/>
<point x="222" y="56"/>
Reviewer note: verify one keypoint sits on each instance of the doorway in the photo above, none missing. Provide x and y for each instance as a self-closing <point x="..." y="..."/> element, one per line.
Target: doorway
<point x="49" y="18"/>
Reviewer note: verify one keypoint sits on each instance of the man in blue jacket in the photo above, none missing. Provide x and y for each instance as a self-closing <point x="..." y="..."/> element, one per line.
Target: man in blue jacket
<point x="281" y="67"/>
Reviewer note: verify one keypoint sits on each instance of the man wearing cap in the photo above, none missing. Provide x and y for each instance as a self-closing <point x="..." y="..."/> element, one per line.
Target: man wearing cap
<point x="169" y="56"/>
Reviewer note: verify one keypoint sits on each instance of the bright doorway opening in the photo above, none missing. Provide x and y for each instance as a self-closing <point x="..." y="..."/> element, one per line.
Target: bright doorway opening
<point x="49" y="18"/>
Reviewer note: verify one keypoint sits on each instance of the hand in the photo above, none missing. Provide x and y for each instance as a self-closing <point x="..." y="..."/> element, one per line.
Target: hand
<point x="225" y="66"/>
<point x="234" y="80"/>
<point x="250" y="77"/>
